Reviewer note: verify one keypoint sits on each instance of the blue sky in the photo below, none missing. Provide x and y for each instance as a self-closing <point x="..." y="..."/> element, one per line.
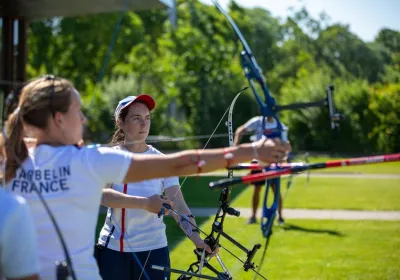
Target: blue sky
<point x="365" y="17"/>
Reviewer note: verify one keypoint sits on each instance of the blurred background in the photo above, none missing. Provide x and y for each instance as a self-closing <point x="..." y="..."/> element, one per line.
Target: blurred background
<point x="186" y="55"/>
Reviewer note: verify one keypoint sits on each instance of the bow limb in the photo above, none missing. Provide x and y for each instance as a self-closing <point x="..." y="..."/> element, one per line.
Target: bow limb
<point x="268" y="218"/>
<point x="267" y="104"/>
<point x="230" y="175"/>
<point x="211" y="240"/>
<point x="107" y="56"/>
<point x="230" y="125"/>
<point x="262" y="257"/>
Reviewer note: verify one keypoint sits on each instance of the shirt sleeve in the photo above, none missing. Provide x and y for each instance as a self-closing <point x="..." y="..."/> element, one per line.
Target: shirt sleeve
<point x="170" y="181"/>
<point x="252" y="124"/>
<point x="19" y="245"/>
<point x="106" y="164"/>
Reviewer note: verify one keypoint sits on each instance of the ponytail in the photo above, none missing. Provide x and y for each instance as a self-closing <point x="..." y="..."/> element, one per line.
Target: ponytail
<point x="14" y="146"/>
<point x="118" y="136"/>
<point x="38" y="101"/>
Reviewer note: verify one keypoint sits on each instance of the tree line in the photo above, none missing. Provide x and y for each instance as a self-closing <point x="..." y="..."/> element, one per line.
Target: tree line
<point x="193" y="71"/>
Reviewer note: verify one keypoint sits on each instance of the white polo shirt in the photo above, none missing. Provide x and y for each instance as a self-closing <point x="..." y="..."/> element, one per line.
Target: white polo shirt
<point x="136" y="230"/>
<point x="71" y="181"/>
<point x="255" y="125"/>
<point x="18" y="242"/>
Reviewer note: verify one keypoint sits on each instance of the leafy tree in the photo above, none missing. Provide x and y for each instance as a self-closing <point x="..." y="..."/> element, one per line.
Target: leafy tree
<point x="390" y="39"/>
<point x="194" y="72"/>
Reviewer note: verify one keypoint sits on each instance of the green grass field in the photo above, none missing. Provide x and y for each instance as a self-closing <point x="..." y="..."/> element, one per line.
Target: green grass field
<point x="312" y="250"/>
<point x="320" y="193"/>
<point x="304" y="249"/>
<point x="336" y="193"/>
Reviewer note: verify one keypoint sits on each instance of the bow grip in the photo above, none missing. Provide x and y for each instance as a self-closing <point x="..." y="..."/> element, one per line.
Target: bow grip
<point x="233" y="212"/>
<point x="162" y="211"/>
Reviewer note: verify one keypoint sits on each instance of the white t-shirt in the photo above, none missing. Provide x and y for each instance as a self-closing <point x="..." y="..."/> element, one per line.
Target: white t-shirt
<point x="136" y="230"/>
<point x="71" y="181"/>
<point x="18" y="243"/>
<point x="255" y="124"/>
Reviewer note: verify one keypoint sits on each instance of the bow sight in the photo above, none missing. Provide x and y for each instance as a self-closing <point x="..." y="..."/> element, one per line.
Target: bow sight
<point x="268" y="107"/>
<point x="335" y="117"/>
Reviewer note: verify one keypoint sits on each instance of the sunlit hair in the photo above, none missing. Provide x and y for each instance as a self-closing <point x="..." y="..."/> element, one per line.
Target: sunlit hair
<point x="39" y="100"/>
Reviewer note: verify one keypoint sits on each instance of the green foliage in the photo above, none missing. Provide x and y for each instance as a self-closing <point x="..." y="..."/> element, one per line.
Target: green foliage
<point x="390" y="39"/>
<point x="194" y="72"/>
<point x="385" y="113"/>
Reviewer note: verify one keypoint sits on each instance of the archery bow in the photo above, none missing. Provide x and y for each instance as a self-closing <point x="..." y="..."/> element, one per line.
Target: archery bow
<point x="269" y="108"/>
<point x="213" y="238"/>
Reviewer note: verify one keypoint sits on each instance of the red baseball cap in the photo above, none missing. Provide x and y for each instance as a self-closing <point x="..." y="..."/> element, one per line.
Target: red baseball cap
<point x="147" y="99"/>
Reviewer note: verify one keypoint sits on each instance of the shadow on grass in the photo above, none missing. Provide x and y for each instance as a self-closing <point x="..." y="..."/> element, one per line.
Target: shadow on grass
<point x="292" y="227"/>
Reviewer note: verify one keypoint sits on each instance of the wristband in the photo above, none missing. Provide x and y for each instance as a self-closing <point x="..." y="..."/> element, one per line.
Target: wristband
<point x="228" y="156"/>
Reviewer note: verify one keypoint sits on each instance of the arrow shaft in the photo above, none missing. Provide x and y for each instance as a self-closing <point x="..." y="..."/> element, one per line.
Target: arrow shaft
<point x="248" y="179"/>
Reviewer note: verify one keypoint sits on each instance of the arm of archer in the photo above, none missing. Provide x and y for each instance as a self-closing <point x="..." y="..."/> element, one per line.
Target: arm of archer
<point x="239" y="134"/>
<point x="143" y="167"/>
<point x="175" y="193"/>
<point x="188" y="227"/>
<point x="181" y="207"/>
<point x="190" y="162"/>
<point x="115" y="199"/>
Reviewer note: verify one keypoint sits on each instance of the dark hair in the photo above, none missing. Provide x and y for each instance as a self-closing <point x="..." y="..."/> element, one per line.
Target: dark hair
<point x="119" y="136"/>
<point x="39" y="100"/>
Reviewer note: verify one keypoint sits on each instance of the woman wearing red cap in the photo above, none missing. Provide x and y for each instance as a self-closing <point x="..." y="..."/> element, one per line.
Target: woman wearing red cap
<point x="133" y="239"/>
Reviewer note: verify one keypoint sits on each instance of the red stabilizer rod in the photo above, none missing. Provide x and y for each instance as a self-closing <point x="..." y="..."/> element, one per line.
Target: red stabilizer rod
<point x="248" y="179"/>
<point x="363" y="160"/>
<point x="255" y="166"/>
